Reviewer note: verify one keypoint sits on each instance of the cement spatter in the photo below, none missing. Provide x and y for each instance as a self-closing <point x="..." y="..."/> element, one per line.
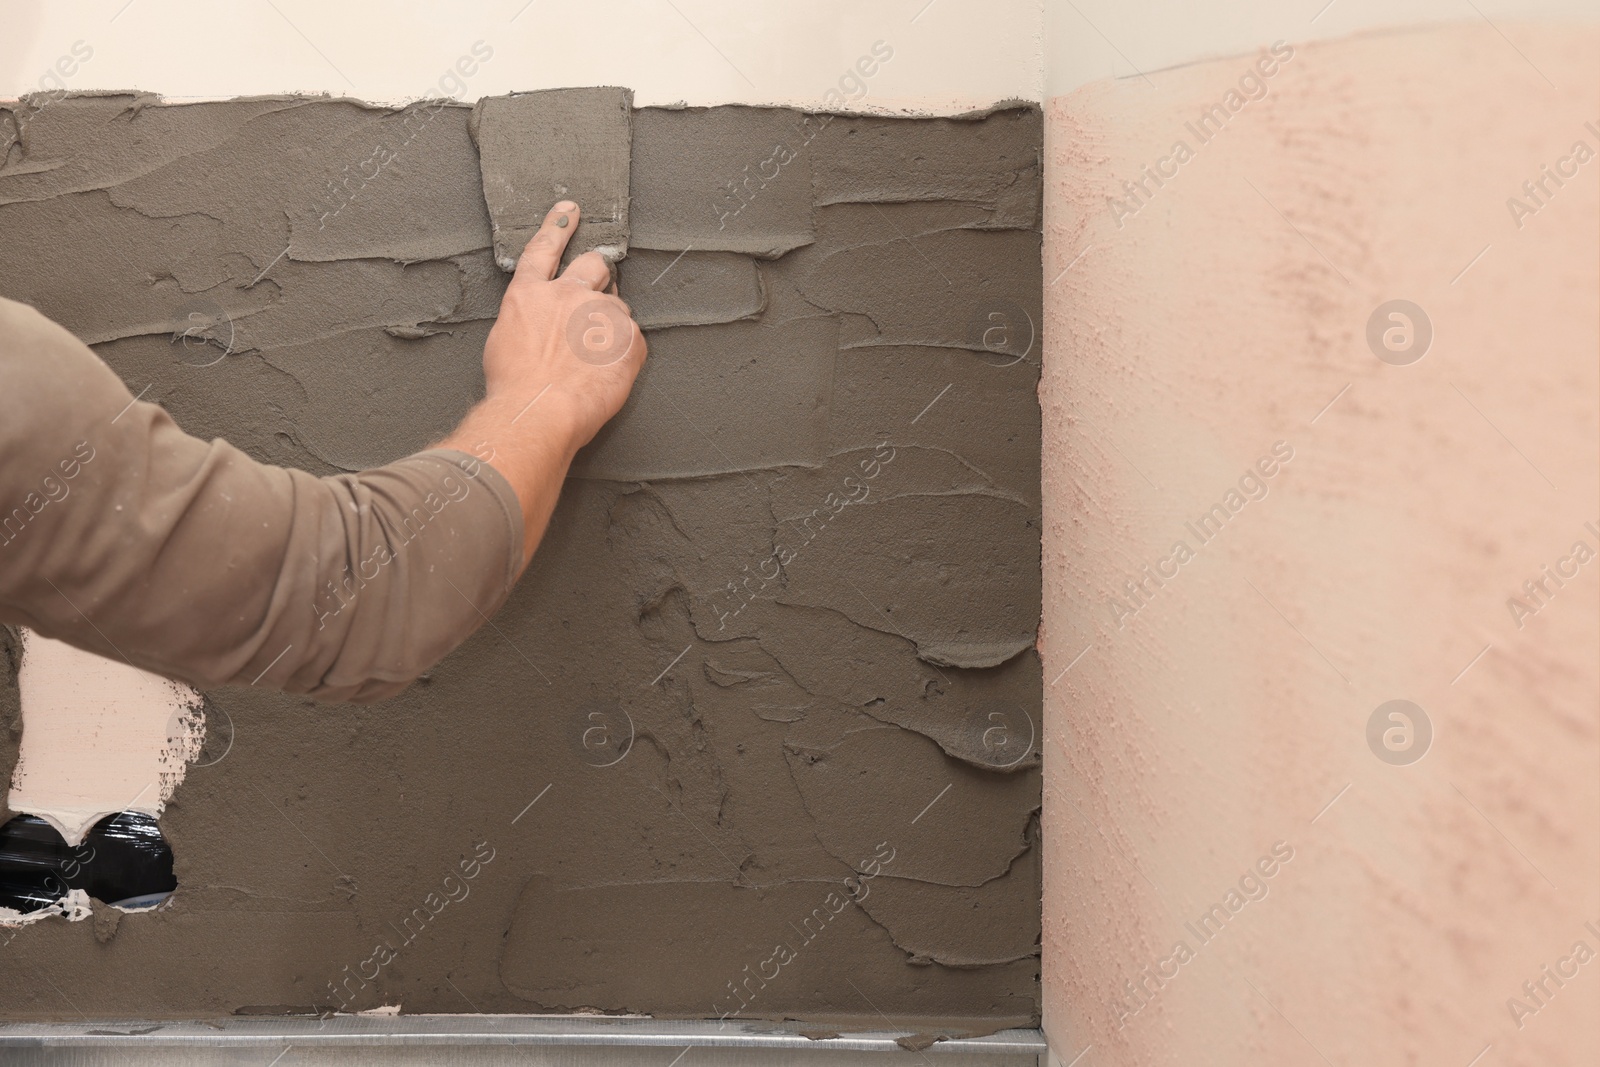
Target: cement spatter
<point x="794" y="585"/>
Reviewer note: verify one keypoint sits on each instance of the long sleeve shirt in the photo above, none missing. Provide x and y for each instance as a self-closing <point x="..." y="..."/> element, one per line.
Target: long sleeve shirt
<point x="125" y="536"/>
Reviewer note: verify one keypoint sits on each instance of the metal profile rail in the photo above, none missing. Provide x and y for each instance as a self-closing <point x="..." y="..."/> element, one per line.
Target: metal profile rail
<point x="483" y="1041"/>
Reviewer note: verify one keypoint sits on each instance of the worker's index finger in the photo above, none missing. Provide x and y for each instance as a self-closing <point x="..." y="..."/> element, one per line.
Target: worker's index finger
<point x="543" y="252"/>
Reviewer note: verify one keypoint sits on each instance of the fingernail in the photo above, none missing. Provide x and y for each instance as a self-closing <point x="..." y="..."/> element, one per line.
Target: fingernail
<point x="566" y="205"/>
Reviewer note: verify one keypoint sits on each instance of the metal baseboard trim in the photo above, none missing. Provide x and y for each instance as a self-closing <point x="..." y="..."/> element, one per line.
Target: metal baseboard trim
<point x="398" y="1038"/>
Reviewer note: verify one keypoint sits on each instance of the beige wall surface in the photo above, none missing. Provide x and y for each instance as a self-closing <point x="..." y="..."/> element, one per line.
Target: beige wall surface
<point x="1086" y="40"/>
<point x="948" y="55"/>
<point x="102" y="737"/>
<point x="1275" y="502"/>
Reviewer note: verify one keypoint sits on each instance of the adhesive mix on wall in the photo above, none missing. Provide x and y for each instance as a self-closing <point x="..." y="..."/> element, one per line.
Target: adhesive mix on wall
<point x="763" y="712"/>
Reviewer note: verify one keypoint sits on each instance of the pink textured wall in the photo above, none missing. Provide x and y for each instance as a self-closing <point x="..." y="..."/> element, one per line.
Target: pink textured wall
<point x="1207" y="738"/>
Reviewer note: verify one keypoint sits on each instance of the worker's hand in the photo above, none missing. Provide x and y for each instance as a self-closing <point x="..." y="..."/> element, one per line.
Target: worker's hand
<point x="559" y="362"/>
<point x="562" y="345"/>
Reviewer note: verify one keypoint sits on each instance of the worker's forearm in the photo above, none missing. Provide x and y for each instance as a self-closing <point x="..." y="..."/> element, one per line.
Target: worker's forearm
<point x="531" y="443"/>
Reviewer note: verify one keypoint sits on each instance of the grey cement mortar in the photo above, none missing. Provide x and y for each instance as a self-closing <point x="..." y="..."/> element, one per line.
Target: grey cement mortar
<point x="787" y="600"/>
